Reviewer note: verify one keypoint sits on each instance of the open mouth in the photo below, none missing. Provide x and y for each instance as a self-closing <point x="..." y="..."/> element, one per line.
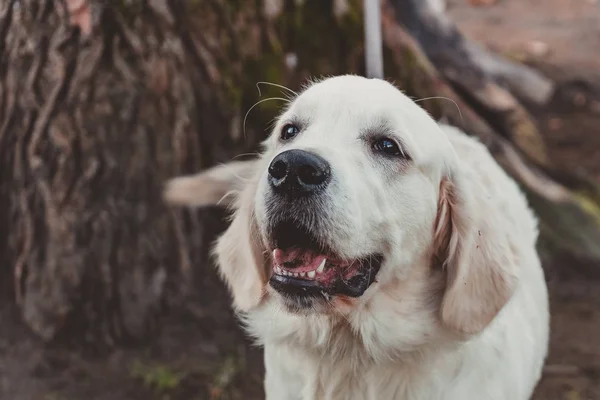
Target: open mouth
<point x="304" y="266"/>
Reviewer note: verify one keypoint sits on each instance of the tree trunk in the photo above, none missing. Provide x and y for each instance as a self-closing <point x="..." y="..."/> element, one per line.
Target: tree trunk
<point x="100" y="104"/>
<point x="91" y="126"/>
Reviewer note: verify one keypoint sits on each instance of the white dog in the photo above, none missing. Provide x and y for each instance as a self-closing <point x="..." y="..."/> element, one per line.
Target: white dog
<point x="378" y="255"/>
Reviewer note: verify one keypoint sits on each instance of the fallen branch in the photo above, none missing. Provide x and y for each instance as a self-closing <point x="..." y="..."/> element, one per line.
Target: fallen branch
<point x="460" y="59"/>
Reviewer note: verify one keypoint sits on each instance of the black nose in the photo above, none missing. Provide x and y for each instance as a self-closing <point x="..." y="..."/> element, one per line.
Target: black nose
<point x="299" y="172"/>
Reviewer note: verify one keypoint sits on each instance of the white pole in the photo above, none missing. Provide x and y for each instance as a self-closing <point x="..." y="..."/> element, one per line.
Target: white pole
<point x="373" y="40"/>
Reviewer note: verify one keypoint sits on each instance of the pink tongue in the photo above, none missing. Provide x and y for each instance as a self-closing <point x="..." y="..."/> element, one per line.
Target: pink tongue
<point x="298" y="260"/>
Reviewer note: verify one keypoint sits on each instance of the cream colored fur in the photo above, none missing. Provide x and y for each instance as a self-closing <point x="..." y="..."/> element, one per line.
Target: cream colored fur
<point x="459" y="310"/>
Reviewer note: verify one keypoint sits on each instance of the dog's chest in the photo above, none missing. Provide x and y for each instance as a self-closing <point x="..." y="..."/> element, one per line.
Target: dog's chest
<point x="295" y="376"/>
<point x="292" y="374"/>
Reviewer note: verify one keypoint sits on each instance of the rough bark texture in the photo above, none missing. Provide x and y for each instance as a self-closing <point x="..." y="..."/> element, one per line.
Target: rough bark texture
<point x="92" y="125"/>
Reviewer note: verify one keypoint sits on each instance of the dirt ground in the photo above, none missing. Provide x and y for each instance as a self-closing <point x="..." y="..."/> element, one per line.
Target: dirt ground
<point x="202" y="354"/>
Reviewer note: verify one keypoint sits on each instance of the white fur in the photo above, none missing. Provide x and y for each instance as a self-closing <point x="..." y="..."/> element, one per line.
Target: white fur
<point x="460" y="307"/>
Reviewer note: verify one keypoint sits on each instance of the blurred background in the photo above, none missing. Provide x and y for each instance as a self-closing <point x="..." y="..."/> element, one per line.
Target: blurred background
<point x="108" y="294"/>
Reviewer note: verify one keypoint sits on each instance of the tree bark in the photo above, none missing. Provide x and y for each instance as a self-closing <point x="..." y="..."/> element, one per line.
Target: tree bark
<point x="100" y="105"/>
<point x="91" y="126"/>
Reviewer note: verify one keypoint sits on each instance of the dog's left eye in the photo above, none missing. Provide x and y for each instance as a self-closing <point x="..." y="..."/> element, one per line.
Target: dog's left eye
<point x="387" y="146"/>
<point x="289" y="131"/>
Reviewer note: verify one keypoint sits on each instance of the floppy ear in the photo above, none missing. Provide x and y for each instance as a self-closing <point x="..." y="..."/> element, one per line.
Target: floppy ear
<point x="473" y="243"/>
<point x="240" y="256"/>
<point x="238" y="251"/>
<point x="216" y="185"/>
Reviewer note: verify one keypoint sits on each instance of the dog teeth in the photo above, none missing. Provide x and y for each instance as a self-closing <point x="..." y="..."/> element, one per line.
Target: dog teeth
<point x="305" y="274"/>
<point x="322" y="266"/>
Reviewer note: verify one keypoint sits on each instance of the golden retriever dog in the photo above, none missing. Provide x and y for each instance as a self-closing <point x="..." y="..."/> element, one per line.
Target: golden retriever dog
<point x="377" y="254"/>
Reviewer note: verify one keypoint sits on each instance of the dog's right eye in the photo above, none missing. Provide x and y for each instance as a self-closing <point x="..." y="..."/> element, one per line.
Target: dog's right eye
<point x="387" y="146"/>
<point x="289" y="131"/>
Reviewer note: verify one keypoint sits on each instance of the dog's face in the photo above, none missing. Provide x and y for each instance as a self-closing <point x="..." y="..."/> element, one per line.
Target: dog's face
<point x="358" y="202"/>
<point x="348" y="195"/>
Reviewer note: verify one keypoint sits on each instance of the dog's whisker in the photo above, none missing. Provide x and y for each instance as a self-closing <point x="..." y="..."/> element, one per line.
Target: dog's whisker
<point x="275" y="85"/>
<point x="226" y="195"/>
<point x="271" y="124"/>
<point x="246" y="154"/>
<point x="442" y="98"/>
<point x="256" y="104"/>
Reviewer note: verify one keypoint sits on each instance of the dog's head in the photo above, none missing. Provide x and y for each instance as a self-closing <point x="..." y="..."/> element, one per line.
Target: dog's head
<point x="356" y="188"/>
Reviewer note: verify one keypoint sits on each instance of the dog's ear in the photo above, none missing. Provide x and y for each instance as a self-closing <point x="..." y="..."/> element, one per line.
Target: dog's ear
<point x="215" y="186"/>
<point x="473" y="243"/>
<point x="240" y="256"/>
<point x="238" y="251"/>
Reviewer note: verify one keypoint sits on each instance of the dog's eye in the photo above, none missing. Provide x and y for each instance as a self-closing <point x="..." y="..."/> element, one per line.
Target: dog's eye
<point x="289" y="131"/>
<point x="387" y="146"/>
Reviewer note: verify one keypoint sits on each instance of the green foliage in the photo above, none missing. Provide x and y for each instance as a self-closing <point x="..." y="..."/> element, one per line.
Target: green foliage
<point x="158" y="377"/>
